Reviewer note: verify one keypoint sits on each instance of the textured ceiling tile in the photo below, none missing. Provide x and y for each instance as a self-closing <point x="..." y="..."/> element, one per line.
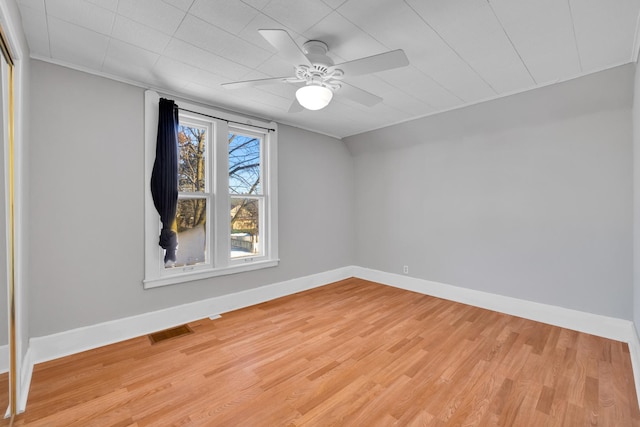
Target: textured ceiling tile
<point x="411" y="81"/>
<point x="370" y="115"/>
<point x="34" y="22"/>
<point x="32" y="4"/>
<point x="166" y="69"/>
<point x="262" y="22"/>
<point x="276" y="67"/>
<point x="407" y="102"/>
<point x="605" y="31"/>
<point x="397" y="26"/>
<point x="359" y="120"/>
<point x="542" y="31"/>
<point x="136" y="72"/>
<point x="212" y="95"/>
<point x="473" y="31"/>
<point x="263" y="97"/>
<point x="373" y="83"/>
<point x="215" y="40"/>
<point x="232" y="16"/>
<point x="309" y="119"/>
<point x="209" y="79"/>
<point x="153" y="13"/>
<point x="258" y="4"/>
<point x="82" y="13"/>
<point x="111" y="5"/>
<point x="132" y="32"/>
<point x="408" y="105"/>
<point x="261" y="104"/>
<point x="204" y="60"/>
<point x="76" y="45"/>
<point x="344" y="39"/>
<point x="299" y="15"/>
<point x="334" y="4"/>
<point x="131" y="55"/>
<point x="285" y="90"/>
<point x="180" y="4"/>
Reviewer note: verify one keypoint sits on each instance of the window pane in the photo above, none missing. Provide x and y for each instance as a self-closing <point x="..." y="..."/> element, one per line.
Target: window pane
<point x="191" y="165"/>
<point x="245" y="233"/>
<point x="244" y="164"/>
<point x="191" y="222"/>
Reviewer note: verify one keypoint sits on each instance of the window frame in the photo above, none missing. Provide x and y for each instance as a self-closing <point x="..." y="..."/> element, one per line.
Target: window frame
<point x="219" y="261"/>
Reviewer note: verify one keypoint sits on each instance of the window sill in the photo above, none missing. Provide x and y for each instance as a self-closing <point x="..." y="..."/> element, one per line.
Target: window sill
<point x="205" y="274"/>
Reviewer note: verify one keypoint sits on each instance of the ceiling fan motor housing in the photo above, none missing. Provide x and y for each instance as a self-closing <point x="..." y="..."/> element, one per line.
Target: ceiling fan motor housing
<point x="320" y="73"/>
<point x="316" y="51"/>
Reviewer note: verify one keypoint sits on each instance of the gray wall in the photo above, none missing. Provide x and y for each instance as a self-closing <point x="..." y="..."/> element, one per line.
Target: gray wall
<point x="528" y="196"/>
<point x="86" y="200"/>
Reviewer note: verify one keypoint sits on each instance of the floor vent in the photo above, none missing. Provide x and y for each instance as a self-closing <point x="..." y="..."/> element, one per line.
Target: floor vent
<point x="168" y="334"/>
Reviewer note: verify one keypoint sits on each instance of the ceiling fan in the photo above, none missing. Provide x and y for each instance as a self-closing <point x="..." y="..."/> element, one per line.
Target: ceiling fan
<point x="320" y="76"/>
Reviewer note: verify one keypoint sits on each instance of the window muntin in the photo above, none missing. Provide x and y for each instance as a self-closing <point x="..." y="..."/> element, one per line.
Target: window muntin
<point x="209" y="189"/>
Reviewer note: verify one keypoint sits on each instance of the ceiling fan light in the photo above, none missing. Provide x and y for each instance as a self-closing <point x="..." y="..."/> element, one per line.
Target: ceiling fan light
<point x="314" y="97"/>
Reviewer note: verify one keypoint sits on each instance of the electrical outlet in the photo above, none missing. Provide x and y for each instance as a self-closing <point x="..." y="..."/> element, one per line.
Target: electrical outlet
<point x="405" y="269"/>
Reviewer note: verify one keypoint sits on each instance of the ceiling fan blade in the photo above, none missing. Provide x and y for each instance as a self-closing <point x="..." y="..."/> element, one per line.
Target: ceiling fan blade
<point x="289" y="50"/>
<point x="375" y="63"/>
<point x="358" y="95"/>
<point x="259" y="82"/>
<point x="295" y="107"/>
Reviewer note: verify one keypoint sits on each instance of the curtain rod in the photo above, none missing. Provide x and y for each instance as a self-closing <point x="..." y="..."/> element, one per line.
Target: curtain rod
<point x="226" y="120"/>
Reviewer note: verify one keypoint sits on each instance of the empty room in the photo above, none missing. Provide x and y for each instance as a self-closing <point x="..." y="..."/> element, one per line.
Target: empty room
<point x="319" y="213"/>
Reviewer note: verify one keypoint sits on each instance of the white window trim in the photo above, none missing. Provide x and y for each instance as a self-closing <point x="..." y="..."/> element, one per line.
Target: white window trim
<point x="221" y="262"/>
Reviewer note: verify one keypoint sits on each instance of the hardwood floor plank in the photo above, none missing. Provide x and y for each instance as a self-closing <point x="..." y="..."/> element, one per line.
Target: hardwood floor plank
<point x="352" y="353"/>
<point x="545" y="400"/>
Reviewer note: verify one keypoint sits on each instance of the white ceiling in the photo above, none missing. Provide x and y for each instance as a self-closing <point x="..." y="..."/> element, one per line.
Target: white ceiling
<point x="460" y="51"/>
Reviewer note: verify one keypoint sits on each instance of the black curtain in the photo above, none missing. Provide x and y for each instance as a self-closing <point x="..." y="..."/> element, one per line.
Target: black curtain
<point x="164" y="178"/>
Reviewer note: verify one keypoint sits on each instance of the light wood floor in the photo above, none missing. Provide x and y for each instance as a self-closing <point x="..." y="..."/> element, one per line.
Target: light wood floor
<point x="4" y="393"/>
<point x="353" y="353"/>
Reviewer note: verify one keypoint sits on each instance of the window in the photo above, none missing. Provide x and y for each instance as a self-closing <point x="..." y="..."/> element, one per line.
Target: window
<point x="226" y="218"/>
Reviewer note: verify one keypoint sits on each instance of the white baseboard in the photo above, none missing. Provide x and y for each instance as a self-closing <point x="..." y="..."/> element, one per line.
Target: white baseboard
<point x="86" y="338"/>
<point x="25" y="380"/>
<point x="595" y="324"/>
<point x="634" y="353"/>
<point x="51" y="347"/>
